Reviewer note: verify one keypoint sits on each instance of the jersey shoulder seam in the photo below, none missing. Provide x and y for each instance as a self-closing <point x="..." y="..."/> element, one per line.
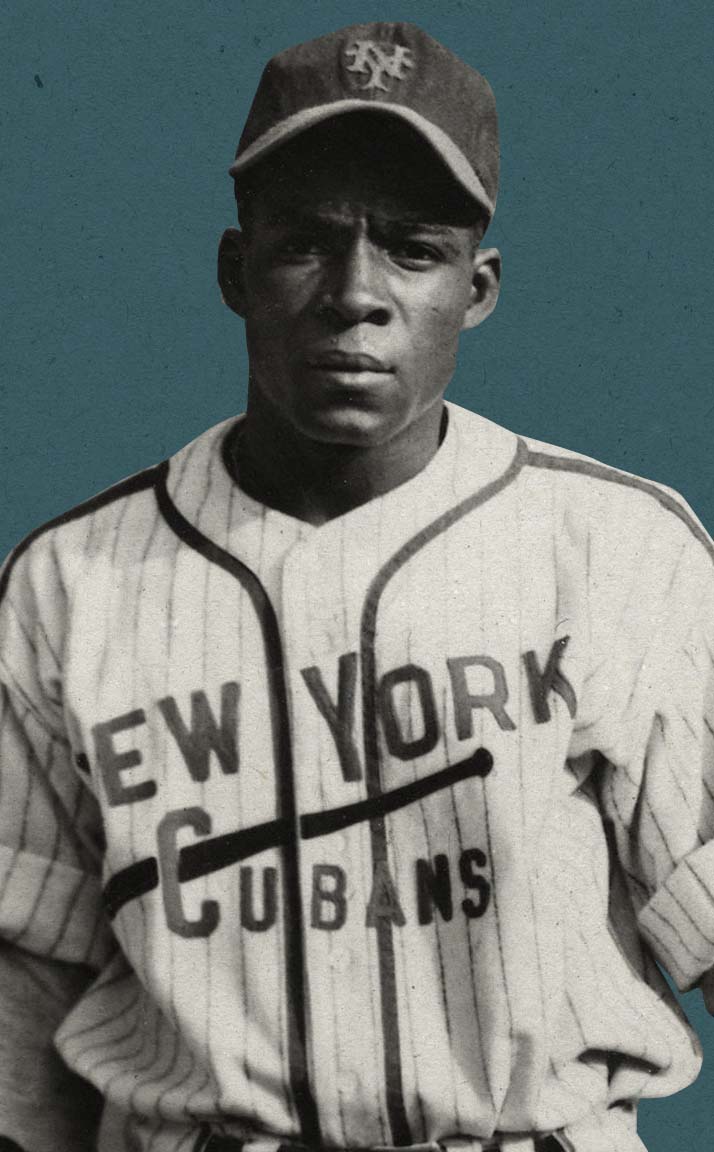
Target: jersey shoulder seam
<point x="598" y="471"/>
<point x="138" y="482"/>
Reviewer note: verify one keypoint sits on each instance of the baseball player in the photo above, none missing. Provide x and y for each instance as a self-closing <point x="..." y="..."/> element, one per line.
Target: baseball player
<point x="357" y="762"/>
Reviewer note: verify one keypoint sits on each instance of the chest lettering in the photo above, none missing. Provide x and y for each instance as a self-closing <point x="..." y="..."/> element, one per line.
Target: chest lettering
<point x="207" y="734"/>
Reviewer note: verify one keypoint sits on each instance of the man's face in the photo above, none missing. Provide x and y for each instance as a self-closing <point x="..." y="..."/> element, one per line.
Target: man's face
<point x="357" y="278"/>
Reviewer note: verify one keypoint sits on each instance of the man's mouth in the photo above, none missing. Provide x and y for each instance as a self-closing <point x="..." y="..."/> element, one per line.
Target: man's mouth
<point x="334" y="360"/>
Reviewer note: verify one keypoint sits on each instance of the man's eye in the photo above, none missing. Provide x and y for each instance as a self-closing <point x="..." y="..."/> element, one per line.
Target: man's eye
<point x="414" y="253"/>
<point x="302" y="247"/>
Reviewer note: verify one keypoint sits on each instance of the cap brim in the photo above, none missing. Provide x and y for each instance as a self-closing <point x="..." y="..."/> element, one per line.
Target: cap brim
<point x="442" y="144"/>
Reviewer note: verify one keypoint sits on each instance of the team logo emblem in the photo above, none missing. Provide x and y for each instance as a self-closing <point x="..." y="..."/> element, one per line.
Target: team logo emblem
<point x="376" y="62"/>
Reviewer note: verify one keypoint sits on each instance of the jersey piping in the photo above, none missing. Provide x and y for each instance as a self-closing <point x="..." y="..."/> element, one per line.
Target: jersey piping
<point x="137" y="483"/>
<point x="603" y="472"/>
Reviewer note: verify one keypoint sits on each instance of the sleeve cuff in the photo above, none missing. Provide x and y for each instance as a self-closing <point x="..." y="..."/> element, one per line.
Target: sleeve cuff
<point x="678" y="920"/>
<point x="52" y="909"/>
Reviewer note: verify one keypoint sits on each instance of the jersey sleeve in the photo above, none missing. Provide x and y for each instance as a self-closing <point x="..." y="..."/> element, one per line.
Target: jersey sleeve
<point x="50" y="827"/>
<point x="659" y="793"/>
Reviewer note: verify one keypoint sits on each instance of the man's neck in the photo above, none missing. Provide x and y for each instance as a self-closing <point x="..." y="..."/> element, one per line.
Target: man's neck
<point x="315" y="481"/>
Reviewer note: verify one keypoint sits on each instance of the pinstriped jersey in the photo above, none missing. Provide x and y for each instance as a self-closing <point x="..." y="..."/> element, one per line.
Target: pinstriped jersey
<point x="374" y="832"/>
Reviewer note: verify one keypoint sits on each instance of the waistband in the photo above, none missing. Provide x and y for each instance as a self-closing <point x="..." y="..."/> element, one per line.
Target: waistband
<point x="505" y="1142"/>
<point x="612" y="1130"/>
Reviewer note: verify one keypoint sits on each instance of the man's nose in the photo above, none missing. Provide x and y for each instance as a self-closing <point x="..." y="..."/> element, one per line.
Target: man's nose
<point x="356" y="289"/>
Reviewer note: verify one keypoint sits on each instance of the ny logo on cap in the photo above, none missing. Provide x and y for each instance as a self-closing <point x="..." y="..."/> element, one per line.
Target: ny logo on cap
<point x="370" y="57"/>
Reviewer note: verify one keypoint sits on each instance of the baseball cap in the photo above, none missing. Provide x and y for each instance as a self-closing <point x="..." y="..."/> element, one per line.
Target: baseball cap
<point x="392" y="69"/>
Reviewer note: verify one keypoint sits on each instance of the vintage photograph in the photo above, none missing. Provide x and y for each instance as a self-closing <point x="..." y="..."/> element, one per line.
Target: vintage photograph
<point x="357" y="615"/>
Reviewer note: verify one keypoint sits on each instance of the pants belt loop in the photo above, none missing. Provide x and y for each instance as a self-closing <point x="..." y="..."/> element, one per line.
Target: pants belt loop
<point x="461" y="1144"/>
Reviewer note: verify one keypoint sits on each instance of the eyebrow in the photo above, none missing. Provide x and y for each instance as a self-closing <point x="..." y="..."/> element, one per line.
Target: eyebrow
<point x="295" y="219"/>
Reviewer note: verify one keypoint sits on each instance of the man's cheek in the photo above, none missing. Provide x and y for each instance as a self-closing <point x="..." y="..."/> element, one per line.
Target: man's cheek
<point x="438" y="335"/>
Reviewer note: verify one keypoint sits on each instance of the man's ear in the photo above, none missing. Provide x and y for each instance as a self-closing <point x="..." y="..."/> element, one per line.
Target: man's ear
<point x="485" y="286"/>
<point x="230" y="270"/>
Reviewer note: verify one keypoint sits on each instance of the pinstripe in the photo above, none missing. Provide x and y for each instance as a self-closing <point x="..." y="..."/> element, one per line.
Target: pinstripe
<point x="162" y="1075"/>
<point x="116" y="536"/>
<point x="620" y="622"/>
<point x="497" y="918"/>
<point x="646" y="653"/>
<point x="330" y="981"/>
<point x="659" y="721"/>
<point x="57" y="564"/>
<point x="541" y="985"/>
<point x="133" y="1068"/>
<point x="17" y="851"/>
<point x="688" y="864"/>
<point x="632" y="593"/>
<point x="127" y="1056"/>
<point x="27" y="804"/>
<point x="163" y="1080"/>
<point x="701" y="960"/>
<point x="700" y="932"/>
<point x="648" y="807"/>
<point x="210" y="1073"/>
<point x="412" y="1047"/>
<point x="442" y="979"/>
<point x="72" y="1035"/>
<point x="102" y="1042"/>
<point x="31" y="707"/>
<point x="472" y="966"/>
<point x="576" y="1019"/>
<point x="210" y="1078"/>
<point x="473" y="970"/>
<point x="93" y="951"/>
<point x="140" y="929"/>
<point x="29" y="639"/>
<point x="65" y="920"/>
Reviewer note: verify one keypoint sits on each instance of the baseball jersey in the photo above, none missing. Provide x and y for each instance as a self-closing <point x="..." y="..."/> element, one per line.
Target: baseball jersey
<point x="374" y="832"/>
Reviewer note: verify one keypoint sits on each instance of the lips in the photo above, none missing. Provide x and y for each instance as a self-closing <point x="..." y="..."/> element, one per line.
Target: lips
<point x="334" y="360"/>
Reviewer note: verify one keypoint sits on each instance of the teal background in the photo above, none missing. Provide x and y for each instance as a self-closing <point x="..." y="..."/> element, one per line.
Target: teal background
<point x="118" y="123"/>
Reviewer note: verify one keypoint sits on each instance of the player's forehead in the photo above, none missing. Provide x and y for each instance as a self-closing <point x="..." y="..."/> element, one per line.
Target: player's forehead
<point x="344" y="203"/>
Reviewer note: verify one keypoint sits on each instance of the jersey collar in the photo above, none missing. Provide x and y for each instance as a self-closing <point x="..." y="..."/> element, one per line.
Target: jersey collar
<point x="472" y="455"/>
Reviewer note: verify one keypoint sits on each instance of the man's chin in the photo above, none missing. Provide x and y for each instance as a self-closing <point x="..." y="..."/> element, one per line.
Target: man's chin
<point x="350" y="429"/>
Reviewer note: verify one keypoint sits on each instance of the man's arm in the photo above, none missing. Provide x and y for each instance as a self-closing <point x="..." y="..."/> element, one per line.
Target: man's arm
<point x="44" y="1107"/>
<point x="659" y="793"/>
<point x="53" y="936"/>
